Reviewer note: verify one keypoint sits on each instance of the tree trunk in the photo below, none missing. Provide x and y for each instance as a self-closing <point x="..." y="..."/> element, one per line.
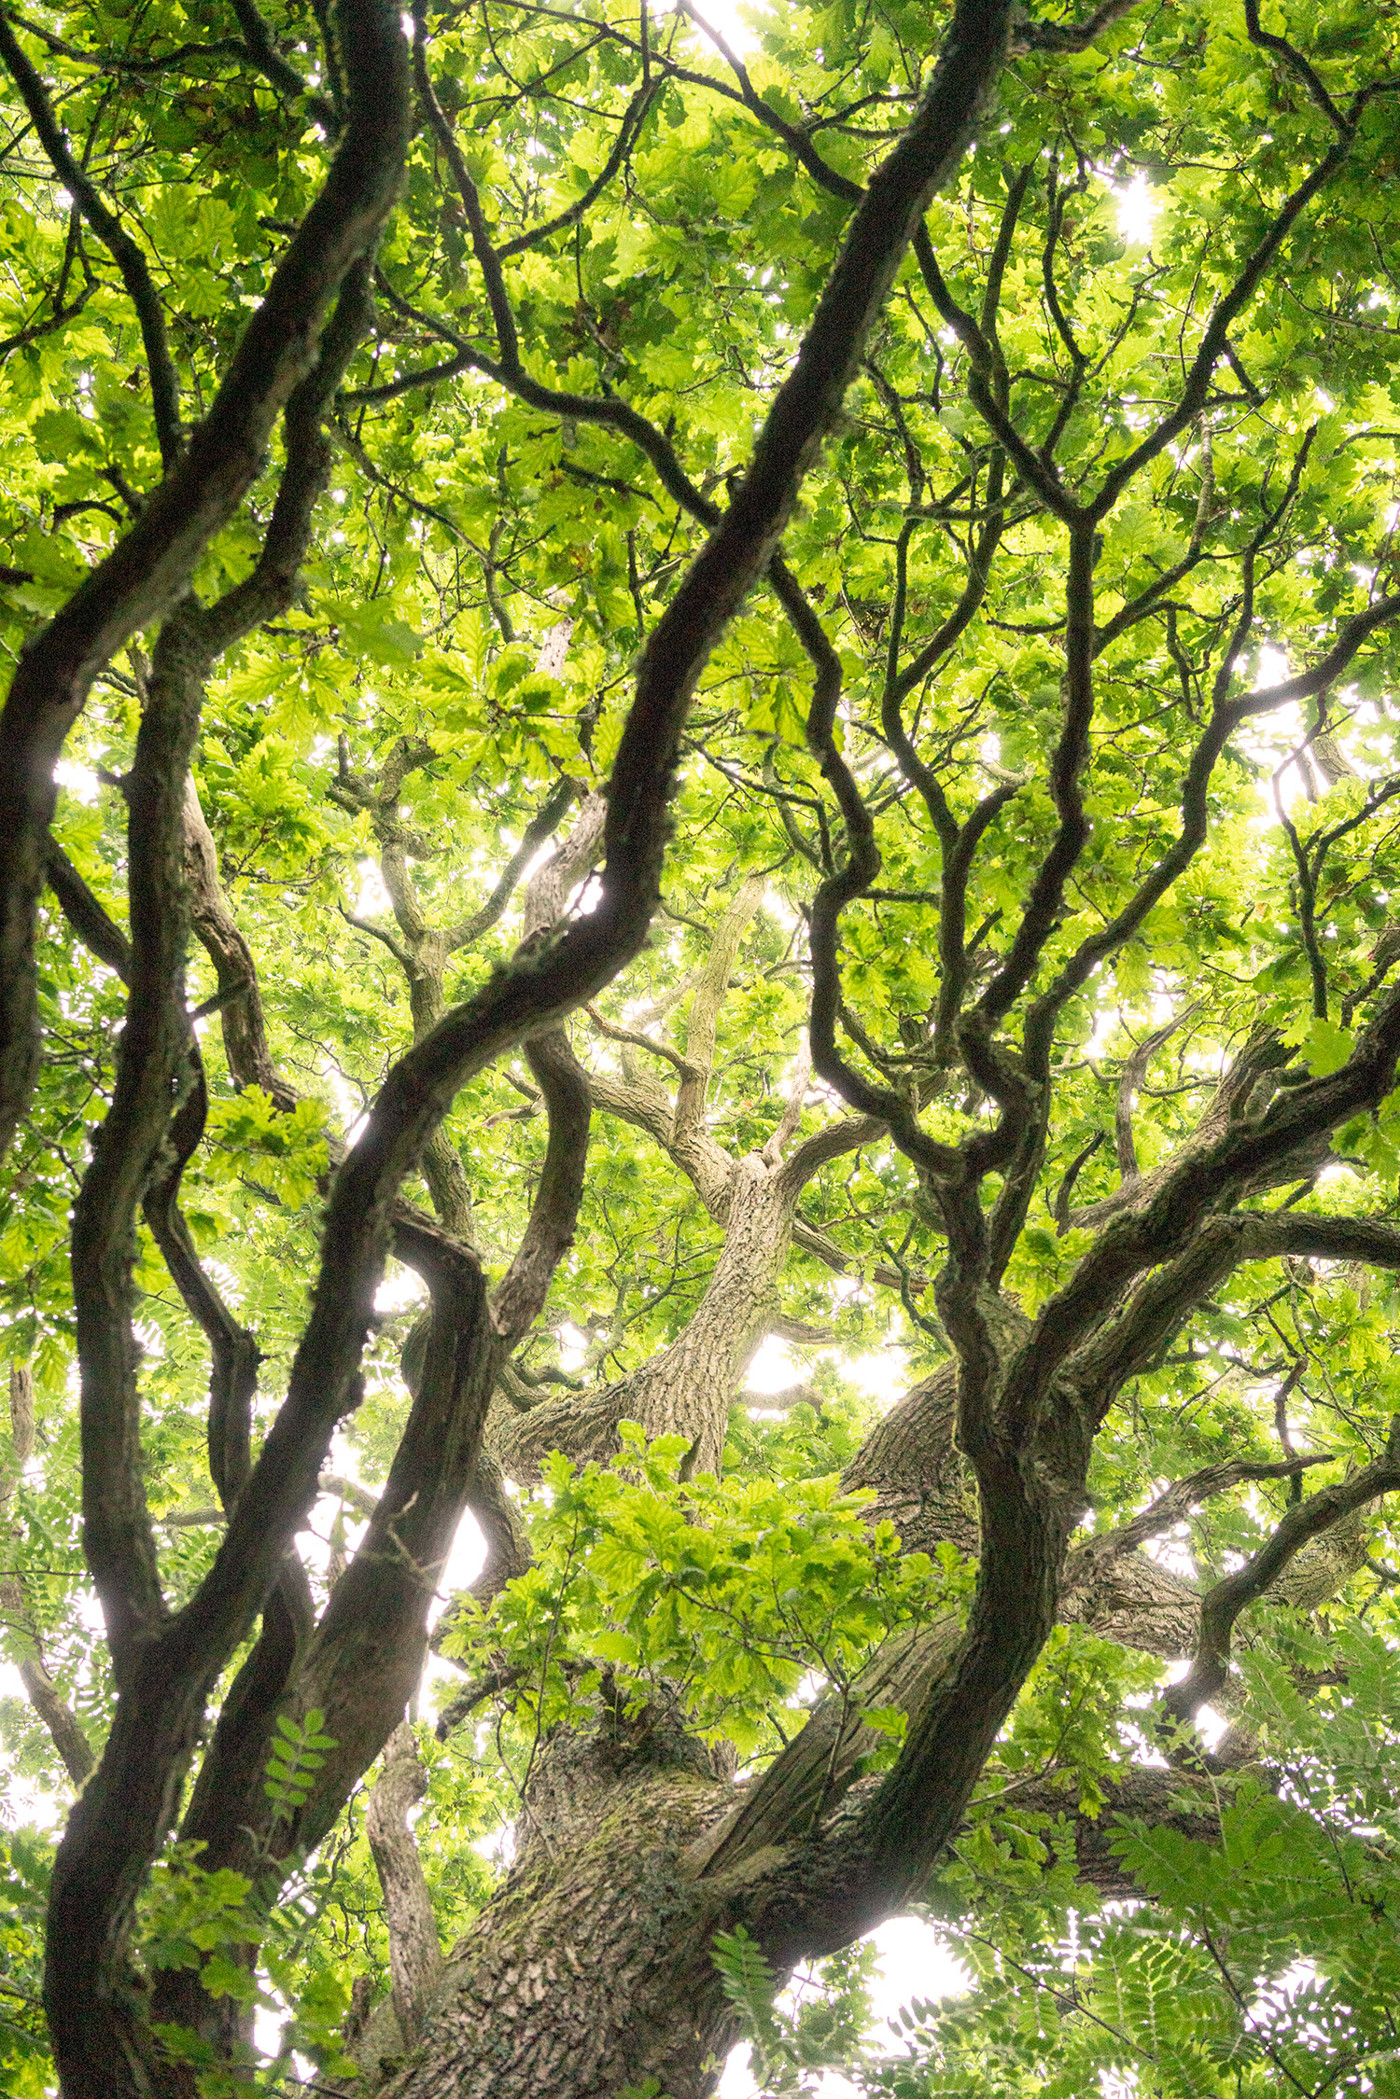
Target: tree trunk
<point x="590" y="1971"/>
<point x="687" y="1389"/>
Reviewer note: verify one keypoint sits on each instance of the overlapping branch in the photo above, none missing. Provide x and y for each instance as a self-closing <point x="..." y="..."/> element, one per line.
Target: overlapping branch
<point x="537" y="991"/>
<point x="151" y="565"/>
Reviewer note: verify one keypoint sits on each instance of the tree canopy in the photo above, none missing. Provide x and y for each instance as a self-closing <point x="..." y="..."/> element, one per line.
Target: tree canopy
<point x="699" y="876"/>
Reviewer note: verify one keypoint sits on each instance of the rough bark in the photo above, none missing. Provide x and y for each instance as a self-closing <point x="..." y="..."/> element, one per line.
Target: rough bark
<point x="361" y="1664"/>
<point x="591" y="1969"/>
<point x="640" y="1099"/>
<point x="911" y="1463"/>
<point x="687" y="1388"/>
<point x="521" y="1998"/>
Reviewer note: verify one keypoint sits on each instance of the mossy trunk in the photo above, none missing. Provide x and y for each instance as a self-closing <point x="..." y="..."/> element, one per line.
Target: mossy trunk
<point x="591" y="1971"/>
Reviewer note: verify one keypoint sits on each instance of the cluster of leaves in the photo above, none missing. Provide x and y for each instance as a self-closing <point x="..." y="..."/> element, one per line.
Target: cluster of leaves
<point x="259" y="1955"/>
<point x="732" y="1595"/>
<point x="25" y="2066"/>
<point x="790" y="2050"/>
<point x="296" y="1959"/>
<point x="296" y="1755"/>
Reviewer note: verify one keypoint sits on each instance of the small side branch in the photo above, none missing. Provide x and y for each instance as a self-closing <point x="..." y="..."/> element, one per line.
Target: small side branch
<point x="1131" y="1078"/>
<point x="135" y="272"/>
<point x="415" y="1956"/>
<point x="541" y="826"/>
<point x="703" y="1018"/>
<point x="1185" y="1496"/>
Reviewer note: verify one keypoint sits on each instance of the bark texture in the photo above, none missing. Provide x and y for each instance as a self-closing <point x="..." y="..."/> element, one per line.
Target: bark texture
<point x="687" y="1388"/>
<point x="415" y="1958"/>
<point x="632" y="1856"/>
<point x="590" y="1970"/>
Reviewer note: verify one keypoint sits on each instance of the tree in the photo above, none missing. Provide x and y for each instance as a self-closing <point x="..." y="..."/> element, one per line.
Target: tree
<point x="723" y="686"/>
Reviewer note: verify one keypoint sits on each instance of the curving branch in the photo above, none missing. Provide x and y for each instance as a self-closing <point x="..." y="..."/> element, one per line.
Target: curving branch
<point x="255" y="48"/>
<point x="1183" y="1497"/>
<point x="1308" y="1235"/>
<point x="151" y="565"/>
<point x="1075" y="36"/>
<point x="1130" y="1079"/>
<point x="234" y="1351"/>
<point x="1046" y="898"/>
<point x="1222" y="1605"/>
<point x="541" y="827"/>
<point x="649" y="1043"/>
<point x="164" y="1665"/>
<point x="153" y="1058"/>
<point x="1293" y="61"/>
<point x="628" y="132"/>
<point x="848" y="881"/>
<point x="260" y="47"/>
<point x="1227" y="715"/>
<point x="1028" y="1434"/>
<point x="124" y="251"/>
<point x="1183" y="1229"/>
<point x="798" y="143"/>
<point x="241" y="1016"/>
<point x="86" y="914"/>
<point x="520" y="1296"/>
<point x="1038" y="474"/>
<point x="360" y="1661"/>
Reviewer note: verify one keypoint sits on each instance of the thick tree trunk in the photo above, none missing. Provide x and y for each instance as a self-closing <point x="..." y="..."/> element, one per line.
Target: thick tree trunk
<point x="922" y="1483"/>
<point x="591" y="1969"/>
